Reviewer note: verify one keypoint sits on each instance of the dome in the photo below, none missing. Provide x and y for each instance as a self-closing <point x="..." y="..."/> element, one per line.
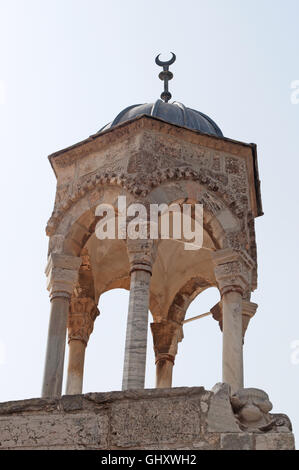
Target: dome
<point x="175" y="113"/>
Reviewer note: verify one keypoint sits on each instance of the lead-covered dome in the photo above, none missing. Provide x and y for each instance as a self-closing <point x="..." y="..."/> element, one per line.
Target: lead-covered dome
<point x="174" y="113"/>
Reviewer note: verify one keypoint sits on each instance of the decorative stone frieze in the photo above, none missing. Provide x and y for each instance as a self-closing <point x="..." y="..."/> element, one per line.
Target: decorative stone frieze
<point x="140" y="185"/>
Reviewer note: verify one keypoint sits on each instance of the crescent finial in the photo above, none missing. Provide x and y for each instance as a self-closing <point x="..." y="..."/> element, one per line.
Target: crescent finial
<point x="165" y="75"/>
<point x="167" y="62"/>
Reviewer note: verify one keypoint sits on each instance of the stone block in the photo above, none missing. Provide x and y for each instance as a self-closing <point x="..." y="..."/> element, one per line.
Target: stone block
<point x="275" y="441"/>
<point x="209" y="441"/>
<point x="54" y="431"/>
<point x="220" y="416"/>
<point x="72" y="402"/>
<point x="157" y="421"/>
<point x="236" y="441"/>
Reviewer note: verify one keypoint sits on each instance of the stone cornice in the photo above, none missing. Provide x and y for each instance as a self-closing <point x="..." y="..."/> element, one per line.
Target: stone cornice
<point x="123" y="130"/>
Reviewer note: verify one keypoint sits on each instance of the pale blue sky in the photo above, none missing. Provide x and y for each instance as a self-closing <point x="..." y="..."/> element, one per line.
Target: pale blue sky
<point x="67" y="68"/>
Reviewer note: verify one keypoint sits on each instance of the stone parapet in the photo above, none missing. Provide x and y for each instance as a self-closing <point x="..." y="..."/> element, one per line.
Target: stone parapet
<point x="178" y="418"/>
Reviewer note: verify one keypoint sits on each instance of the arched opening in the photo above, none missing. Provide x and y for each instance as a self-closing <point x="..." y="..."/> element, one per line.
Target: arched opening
<point x="105" y="351"/>
<point x="199" y="357"/>
<point x="174" y="268"/>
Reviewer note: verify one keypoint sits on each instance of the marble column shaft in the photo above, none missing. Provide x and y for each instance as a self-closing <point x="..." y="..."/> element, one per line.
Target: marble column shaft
<point x="232" y="346"/>
<point x="137" y="326"/>
<point x="53" y="372"/>
<point x="141" y="255"/>
<point x="232" y="272"/>
<point x="62" y="274"/>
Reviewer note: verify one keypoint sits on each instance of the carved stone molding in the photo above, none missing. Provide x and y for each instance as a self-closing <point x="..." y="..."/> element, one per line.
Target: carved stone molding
<point x="82" y="314"/>
<point x="166" y="336"/>
<point x="140" y="185"/>
<point x="232" y="270"/>
<point x="62" y="274"/>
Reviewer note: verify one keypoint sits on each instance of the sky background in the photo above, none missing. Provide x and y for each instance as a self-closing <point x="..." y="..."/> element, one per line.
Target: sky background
<point x="67" y="67"/>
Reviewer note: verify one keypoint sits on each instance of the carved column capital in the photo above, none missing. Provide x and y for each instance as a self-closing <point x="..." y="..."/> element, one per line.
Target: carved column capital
<point x="62" y="274"/>
<point x="166" y="336"/>
<point x="217" y="314"/>
<point x="142" y="254"/>
<point x="232" y="270"/>
<point x="248" y="311"/>
<point x="82" y="314"/>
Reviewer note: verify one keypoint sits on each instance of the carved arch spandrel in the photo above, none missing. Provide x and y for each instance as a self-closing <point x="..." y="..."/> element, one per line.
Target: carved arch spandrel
<point x="141" y="185"/>
<point x="79" y="221"/>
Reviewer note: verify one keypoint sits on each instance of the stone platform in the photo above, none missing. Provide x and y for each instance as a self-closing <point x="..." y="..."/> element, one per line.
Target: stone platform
<point x="161" y="419"/>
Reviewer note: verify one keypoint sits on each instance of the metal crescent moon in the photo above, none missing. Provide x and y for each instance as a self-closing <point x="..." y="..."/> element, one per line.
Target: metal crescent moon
<point x="168" y="62"/>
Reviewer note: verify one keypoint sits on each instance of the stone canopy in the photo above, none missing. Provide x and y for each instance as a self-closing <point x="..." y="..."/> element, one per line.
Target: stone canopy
<point x="148" y="159"/>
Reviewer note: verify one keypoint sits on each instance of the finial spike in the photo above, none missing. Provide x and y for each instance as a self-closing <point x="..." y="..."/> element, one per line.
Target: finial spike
<point x="165" y="75"/>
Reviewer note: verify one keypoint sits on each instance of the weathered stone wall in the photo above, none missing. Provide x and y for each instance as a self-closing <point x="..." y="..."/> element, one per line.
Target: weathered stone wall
<point x="179" y="418"/>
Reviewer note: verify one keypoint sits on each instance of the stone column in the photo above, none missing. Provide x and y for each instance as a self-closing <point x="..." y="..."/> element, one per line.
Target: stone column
<point x="166" y="336"/>
<point x="232" y="272"/>
<point x="141" y="258"/>
<point x="62" y="274"/>
<point x="82" y="314"/>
